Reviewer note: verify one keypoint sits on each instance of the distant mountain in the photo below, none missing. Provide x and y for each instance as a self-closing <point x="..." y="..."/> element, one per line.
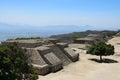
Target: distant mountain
<point x="44" y="30"/>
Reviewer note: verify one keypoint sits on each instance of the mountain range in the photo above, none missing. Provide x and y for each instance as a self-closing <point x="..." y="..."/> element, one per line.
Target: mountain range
<point x="45" y="30"/>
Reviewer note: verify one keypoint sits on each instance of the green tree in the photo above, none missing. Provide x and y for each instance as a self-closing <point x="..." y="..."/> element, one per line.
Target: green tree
<point x="14" y="65"/>
<point x="101" y="49"/>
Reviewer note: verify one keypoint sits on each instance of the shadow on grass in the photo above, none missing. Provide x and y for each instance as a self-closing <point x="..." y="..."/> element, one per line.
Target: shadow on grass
<point x="105" y="60"/>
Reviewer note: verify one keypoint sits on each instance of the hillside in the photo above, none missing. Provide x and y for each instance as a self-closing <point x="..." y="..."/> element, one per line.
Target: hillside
<point x="70" y="36"/>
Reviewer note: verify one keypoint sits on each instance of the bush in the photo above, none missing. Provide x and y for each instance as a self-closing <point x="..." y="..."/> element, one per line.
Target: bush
<point x="77" y="36"/>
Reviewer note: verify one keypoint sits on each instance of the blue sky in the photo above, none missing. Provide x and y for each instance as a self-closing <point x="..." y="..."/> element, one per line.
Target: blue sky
<point x="99" y="13"/>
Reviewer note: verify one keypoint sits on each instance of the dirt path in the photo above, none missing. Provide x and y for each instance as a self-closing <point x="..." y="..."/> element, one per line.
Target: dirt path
<point x="86" y="69"/>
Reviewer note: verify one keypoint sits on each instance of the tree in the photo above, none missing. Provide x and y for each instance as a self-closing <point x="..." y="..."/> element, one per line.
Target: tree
<point x="101" y="49"/>
<point x="14" y="65"/>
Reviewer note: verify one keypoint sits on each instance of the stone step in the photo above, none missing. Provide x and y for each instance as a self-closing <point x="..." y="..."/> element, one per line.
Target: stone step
<point x="60" y="55"/>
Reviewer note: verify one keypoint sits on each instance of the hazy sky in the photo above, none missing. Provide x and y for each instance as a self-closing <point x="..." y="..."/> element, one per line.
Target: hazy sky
<point x="61" y="12"/>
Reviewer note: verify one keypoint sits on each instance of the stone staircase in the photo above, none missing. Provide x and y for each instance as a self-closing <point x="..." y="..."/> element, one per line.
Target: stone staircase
<point x="60" y="55"/>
